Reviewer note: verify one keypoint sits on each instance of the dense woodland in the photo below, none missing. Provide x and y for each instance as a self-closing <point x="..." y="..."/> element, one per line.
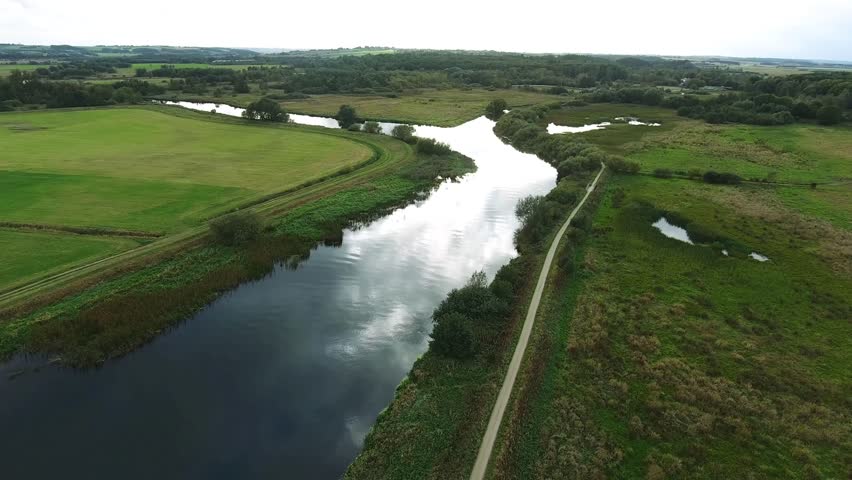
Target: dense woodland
<point x="717" y="95"/>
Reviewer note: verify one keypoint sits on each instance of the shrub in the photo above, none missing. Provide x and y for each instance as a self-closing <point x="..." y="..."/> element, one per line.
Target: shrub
<point x="662" y="173"/>
<point x="372" y="127"/>
<point x="496" y="108"/>
<point x="452" y="336"/>
<point x="620" y="165"/>
<point x="355" y="127"/>
<point x="346" y="116"/>
<point x="404" y="133"/>
<point x="722" y="178"/>
<point x="266" y="110"/>
<point x="829" y="115"/>
<point x="432" y="147"/>
<point x="236" y="229"/>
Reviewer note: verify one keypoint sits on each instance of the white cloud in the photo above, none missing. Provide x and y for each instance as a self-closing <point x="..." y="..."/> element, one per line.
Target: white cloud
<point x="815" y="29"/>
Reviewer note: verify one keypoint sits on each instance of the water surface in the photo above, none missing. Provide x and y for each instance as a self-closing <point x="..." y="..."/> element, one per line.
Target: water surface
<point x="283" y="377"/>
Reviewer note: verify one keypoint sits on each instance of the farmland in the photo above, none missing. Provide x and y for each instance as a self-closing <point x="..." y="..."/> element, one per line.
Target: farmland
<point x="146" y="170"/>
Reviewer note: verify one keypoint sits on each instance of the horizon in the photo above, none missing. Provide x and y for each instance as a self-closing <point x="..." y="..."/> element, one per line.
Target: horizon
<point x="762" y="28"/>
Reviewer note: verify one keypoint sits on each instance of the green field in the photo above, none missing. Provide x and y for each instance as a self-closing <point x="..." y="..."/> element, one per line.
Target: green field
<point x="6" y="69"/>
<point x="659" y="359"/>
<point x="26" y="253"/>
<point x="149" y="170"/>
<point x="444" y="108"/>
<point x="797" y="153"/>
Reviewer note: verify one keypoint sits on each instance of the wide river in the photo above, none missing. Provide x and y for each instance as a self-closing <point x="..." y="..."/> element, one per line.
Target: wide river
<point x="282" y="377"/>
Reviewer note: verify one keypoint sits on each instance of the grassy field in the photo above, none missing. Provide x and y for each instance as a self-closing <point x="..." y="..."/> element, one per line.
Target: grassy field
<point x="139" y="297"/>
<point x="26" y="253"/>
<point x="659" y="359"/>
<point x="797" y="153"/>
<point x="146" y="170"/>
<point x="444" y="108"/>
<point x="6" y="69"/>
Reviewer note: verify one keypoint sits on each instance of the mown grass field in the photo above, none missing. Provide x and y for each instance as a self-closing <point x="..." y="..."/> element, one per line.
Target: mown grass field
<point x="444" y="108"/>
<point x="659" y="359"/>
<point x="147" y="170"/>
<point x="26" y="253"/>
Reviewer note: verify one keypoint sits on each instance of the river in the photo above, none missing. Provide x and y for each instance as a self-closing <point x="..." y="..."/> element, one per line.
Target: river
<point x="281" y="377"/>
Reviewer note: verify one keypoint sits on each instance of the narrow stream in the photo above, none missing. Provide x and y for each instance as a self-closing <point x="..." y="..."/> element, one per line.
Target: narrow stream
<point x="283" y="377"/>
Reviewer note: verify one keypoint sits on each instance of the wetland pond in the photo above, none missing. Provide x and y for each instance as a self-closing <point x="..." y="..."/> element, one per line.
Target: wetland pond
<point x="282" y="377"/>
<point x="680" y="234"/>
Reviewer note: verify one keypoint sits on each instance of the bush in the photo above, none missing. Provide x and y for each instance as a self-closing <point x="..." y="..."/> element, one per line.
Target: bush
<point x="722" y="178"/>
<point x="372" y="127"/>
<point x="662" y="173"/>
<point x="432" y="147"/>
<point x="346" y="116"/>
<point x="452" y="336"/>
<point x="829" y="115"/>
<point x="355" y="127"/>
<point x="496" y="108"/>
<point x="404" y="133"/>
<point x="236" y="229"/>
<point x="620" y="165"/>
<point x="266" y="110"/>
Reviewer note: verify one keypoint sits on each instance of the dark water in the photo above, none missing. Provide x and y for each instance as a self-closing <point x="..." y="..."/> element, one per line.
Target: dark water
<point x="280" y="378"/>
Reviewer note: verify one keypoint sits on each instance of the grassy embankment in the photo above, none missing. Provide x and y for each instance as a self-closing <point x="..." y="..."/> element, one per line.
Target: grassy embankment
<point x="113" y="309"/>
<point x="434" y="425"/>
<point x="141" y="170"/>
<point x="659" y="359"/>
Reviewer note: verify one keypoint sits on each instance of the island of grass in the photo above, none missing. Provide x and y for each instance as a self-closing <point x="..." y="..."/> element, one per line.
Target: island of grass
<point x="143" y="170"/>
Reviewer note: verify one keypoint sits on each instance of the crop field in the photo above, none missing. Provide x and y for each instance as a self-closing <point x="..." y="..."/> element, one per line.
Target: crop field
<point x="444" y="108"/>
<point x="661" y="359"/>
<point x="146" y="170"/>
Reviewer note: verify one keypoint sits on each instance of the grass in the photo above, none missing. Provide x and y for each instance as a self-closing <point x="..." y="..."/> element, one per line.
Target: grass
<point x="146" y="170"/>
<point x="154" y="170"/>
<point x="7" y="69"/>
<point x="26" y="254"/>
<point x="670" y="360"/>
<point x="117" y="314"/>
<point x="617" y="137"/>
<point x="444" y="108"/>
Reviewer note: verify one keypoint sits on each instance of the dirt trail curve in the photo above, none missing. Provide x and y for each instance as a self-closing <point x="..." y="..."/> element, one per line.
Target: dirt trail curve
<point x="484" y="455"/>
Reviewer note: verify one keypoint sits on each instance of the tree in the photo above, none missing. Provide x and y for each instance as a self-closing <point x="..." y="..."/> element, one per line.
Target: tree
<point x="372" y="127"/>
<point x="241" y="86"/>
<point x="346" y="116"/>
<point x="236" y="229"/>
<point x="266" y="110"/>
<point x="496" y="109"/>
<point x="452" y="336"/>
<point x="404" y="133"/>
<point x="829" y="115"/>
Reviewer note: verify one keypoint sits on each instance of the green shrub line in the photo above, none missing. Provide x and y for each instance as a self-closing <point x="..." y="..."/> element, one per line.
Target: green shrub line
<point x="97" y="231"/>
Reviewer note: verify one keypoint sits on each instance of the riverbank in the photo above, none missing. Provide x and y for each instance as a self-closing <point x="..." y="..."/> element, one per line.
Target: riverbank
<point x="440" y="411"/>
<point x="117" y="309"/>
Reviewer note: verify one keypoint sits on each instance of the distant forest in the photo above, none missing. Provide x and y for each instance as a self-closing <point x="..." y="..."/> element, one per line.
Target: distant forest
<point x="62" y="78"/>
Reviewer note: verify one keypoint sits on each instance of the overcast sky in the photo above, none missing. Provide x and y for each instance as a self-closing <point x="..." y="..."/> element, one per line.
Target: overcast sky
<point x="781" y="28"/>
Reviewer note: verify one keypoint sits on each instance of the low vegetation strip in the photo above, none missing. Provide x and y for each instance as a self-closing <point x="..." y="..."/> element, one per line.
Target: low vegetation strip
<point x="107" y="232"/>
<point x="441" y="409"/>
<point x="483" y="456"/>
